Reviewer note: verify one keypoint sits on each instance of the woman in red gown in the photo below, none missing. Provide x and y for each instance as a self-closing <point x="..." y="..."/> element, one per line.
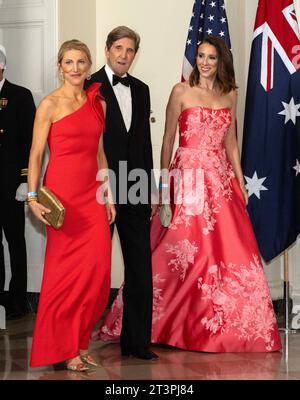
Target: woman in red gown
<point x="76" y="279"/>
<point x="210" y="291"/>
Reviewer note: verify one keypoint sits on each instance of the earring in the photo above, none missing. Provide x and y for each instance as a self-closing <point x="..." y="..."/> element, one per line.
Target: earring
<point x="88" y="77"/>
<point x="61" y="76"/>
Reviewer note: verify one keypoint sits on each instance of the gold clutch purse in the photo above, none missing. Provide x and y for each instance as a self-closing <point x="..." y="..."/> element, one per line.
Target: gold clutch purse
<point x="49" y="200"/>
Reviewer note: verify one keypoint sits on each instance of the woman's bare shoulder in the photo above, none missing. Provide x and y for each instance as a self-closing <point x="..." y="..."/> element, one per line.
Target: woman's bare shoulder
<point x="51" y="99"/>
<point x="230" y="98"/>
<point x="180" y="87"/>
<point x="49" y="103"/>
<point x="179" y="90"/>
<point x="233" y="94"/>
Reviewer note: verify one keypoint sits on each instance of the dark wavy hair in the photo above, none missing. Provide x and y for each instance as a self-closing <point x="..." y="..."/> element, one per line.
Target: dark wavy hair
<point x="225" y="73"/>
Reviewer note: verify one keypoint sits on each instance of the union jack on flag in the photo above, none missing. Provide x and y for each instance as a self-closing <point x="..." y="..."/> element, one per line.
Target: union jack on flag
<point x="208" y="18"/>
<point x="271" y="141"/>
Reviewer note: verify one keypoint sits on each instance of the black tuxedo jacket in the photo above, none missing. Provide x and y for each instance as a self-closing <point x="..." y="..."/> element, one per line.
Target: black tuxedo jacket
<point x="16" y="124"/>
<point x="134" y="146"/>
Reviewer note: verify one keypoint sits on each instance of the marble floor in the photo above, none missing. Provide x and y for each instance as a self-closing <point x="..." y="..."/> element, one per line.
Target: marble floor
<point x="174" y="364"/>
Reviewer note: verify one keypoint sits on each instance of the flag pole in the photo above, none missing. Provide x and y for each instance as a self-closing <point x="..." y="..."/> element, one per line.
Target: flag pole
<point x="286" y="293"/>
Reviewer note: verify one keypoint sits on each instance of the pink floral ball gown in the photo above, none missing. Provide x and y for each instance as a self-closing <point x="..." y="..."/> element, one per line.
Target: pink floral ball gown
<point x="209" y="288"/>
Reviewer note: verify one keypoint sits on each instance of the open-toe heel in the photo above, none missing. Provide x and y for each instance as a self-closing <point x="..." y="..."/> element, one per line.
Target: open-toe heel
<point x="79" y="367"/>
<point x="86" y="358"/>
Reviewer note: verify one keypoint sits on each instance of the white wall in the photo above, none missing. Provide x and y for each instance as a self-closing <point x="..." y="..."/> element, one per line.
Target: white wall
<point x="77" y="20"/>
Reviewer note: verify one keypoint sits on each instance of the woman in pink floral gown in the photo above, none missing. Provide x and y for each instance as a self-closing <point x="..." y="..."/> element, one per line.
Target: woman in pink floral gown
<point x="210" y="292"/>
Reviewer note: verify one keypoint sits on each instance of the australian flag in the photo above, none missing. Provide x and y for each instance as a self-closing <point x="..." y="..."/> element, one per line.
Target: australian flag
<point x="208" y="18"/>
<point x="271" y="143"/>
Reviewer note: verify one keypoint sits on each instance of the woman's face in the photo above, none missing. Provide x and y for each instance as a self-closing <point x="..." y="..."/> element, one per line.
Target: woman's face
<point x="207" y="61"/>
<point x="75" y="67"/>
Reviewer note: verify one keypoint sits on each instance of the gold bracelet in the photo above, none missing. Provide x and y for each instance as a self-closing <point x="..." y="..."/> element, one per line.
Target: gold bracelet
<point x="33" y="198"/>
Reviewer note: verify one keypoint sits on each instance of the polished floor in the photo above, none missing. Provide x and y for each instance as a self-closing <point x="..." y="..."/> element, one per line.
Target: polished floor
<point x="174" y="364"/>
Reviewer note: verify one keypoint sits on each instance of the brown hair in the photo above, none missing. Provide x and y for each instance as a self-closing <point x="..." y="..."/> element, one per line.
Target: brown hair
<point x="123" y="32"/>
<point x="73" y="44"/>
<point x="225" y="73"/>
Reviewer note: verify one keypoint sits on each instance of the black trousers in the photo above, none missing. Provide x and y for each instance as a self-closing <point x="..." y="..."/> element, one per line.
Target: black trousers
<point x="133" y="224"/>
<point x="12" y="224"/>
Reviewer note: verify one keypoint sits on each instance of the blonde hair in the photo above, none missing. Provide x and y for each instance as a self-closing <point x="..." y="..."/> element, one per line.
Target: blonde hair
<point x="73" y="44"/>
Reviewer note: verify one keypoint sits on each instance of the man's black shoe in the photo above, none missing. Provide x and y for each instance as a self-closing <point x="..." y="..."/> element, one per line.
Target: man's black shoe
<point x="142" y="354"/>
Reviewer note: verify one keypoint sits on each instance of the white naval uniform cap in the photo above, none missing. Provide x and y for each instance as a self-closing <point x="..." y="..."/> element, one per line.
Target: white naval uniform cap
<point x="2" y="57"/>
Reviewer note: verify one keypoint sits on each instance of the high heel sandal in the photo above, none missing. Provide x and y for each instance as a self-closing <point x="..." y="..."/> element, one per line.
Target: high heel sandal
<point x="80" y="367"/>
<point x="86" y="358"/>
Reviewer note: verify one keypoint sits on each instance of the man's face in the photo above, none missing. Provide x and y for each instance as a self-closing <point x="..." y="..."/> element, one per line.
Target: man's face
<point x="121" y="55"/>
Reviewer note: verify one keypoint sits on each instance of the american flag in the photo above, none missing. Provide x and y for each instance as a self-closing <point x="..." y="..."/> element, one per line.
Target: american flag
<point x="208" y="18"/>
<point x="271" y="142"/>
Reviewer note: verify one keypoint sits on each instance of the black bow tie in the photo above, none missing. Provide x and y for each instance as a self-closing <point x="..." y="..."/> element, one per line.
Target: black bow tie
<point x="124" y="81"/>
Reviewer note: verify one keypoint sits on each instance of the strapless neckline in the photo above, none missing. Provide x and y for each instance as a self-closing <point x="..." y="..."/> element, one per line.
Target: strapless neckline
<point x="205" y="108"/>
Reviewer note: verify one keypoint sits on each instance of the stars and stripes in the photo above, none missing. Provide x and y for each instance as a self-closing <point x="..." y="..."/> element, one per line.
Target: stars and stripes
<point x="271" y="140"/>
<point x="208" y="18"/>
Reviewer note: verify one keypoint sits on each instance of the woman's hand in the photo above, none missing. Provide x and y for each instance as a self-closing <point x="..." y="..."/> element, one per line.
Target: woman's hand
<point x="164" y="198"/>
<point x="245" y="192"/>
<point x="111" y="212"/>
<point x="39" y="211"/>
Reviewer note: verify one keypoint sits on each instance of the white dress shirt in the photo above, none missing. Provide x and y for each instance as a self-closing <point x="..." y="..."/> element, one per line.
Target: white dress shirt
<point x="2" y="83"/>
<point x="123" y="95"/>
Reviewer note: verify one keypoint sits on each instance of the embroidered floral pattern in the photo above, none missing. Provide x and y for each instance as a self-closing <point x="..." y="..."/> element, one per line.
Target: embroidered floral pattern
<point x="241" y="301"/>
<point x="185" y="252"/>
<point x="204" y="127"/>
<point x="157" y="311"/>
<point x="111" y="330"/>
<point x="209" y="288"/>
<point x="202" y="134"/>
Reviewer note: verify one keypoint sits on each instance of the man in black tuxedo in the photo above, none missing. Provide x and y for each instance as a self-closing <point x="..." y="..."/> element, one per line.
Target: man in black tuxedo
<point x="127" y="140"/>
<point x="17" y="111"/>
